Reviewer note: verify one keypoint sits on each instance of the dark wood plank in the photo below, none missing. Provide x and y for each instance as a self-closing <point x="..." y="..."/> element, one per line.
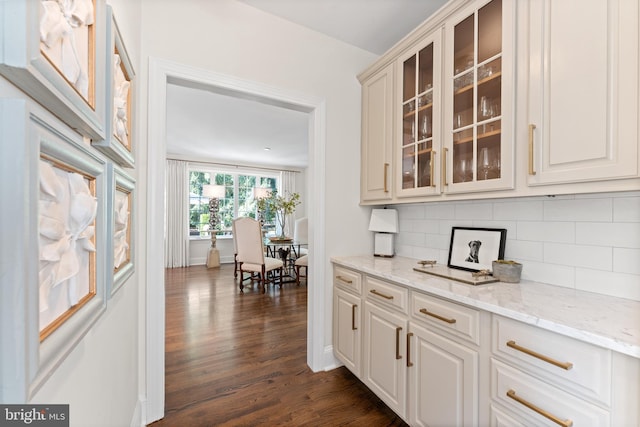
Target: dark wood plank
<point x="239" y="359"/>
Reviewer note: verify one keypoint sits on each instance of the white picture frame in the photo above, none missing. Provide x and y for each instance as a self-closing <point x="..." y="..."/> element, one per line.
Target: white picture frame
<point x="121" y="232"/>
<point x="119" y="140"/>
<point x="29" y="359"/>
<point x="36" y="67"/>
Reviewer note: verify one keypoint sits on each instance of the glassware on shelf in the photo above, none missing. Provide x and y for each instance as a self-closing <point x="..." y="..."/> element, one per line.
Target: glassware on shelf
<point x="425" y="128"/>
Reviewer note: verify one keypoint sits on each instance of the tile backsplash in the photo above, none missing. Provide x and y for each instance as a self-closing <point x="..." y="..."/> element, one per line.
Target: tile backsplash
<point x="589" y="242"/>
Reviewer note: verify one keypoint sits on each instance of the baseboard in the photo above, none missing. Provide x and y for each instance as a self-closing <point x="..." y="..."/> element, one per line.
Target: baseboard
<point x="330" y="361"/>
<point x="139" y="414"/>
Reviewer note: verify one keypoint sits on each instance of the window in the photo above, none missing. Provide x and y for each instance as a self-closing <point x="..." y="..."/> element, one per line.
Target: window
<point x="238" y="200"/>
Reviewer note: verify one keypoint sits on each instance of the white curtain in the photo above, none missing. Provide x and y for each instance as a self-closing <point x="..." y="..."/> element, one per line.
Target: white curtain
<point x="176" y="242"/>
<point x="287" y="187"/>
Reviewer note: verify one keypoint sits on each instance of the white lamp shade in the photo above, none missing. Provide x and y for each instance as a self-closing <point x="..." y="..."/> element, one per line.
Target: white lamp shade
<point x="261" y="192"/>
<point x="384" y="220"/>
<point x="213" y="191"/>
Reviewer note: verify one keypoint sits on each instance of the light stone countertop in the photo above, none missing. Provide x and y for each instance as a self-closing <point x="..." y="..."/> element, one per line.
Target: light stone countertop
<point x="606" y="321"/>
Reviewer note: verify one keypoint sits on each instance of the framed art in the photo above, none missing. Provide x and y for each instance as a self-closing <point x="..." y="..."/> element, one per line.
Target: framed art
<point x="54" y="242"/>
<point x="120" y="232"/>
<point x="118" y="143"/>
<point x="474" y="249"/>
<point x="55" y="52"/>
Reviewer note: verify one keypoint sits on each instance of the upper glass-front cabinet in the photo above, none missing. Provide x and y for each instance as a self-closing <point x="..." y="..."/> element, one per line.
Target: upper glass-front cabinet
<point x="419" y="140"/>
<point x="479" y="92"/>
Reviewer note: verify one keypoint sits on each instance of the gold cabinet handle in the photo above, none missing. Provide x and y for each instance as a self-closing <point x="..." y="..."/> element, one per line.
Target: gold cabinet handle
<point x="398" y="330"/>
<point x="433" y="178"/>
<point x="565" y="423"/>
<point x="380" y="294"/>
<point x="342" y="279"/>
<point x="444" y="166"/>
<point x="353" y="318"/>
<point x="437" y="316"/>
<point x="531" y="168"/>
<point x="409" y="362"/>
<point x="564" y="365"/>
<point x="386" y="173"/>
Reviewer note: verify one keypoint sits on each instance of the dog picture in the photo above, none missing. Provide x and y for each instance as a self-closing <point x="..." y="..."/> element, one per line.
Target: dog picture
<point x="474" y="249"/>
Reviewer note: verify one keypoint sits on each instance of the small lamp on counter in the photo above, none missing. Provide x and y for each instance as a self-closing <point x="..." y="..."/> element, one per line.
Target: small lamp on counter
<point x="385" y="223"/>
<point x="214" y="193"/>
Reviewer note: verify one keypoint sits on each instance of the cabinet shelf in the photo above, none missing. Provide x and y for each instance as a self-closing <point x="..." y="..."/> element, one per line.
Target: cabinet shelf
<point x="486" y="80"/>
<point x="422" y="108"/>
<point x="413" y="153"/>
<point x="480" y="136"/>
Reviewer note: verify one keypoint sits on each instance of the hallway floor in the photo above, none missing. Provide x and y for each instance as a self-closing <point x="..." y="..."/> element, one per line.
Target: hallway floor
<point x="237" y="359"/>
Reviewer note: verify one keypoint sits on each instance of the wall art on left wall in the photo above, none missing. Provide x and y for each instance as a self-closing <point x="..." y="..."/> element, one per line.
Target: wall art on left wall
<point x="53" y="246"/>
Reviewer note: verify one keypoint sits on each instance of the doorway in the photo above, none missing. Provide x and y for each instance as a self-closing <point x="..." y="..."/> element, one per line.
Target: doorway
<point x="162" y="72"/>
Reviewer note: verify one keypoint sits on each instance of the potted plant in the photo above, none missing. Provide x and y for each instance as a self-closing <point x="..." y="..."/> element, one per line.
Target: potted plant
<point x="282" y="206"/>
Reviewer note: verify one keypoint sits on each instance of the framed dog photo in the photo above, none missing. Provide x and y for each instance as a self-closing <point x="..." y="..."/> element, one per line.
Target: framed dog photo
<point x="474" y="249"/>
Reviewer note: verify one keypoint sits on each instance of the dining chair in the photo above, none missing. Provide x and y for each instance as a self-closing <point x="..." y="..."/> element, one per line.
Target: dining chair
<point x="302" y="262"/>
<point x="250" y="253"/>
<point x="301" y="234"/>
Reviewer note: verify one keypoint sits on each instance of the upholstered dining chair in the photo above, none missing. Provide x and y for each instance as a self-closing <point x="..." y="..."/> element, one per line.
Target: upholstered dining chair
<point x="301" y="234"/>
<point x="250" y="249"/>
<point x="302" y="262"/>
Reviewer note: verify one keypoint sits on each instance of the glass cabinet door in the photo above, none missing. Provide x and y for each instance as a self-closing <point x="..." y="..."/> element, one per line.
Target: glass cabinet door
<point x="420" y="111"/>
<point x="477" y="137"/>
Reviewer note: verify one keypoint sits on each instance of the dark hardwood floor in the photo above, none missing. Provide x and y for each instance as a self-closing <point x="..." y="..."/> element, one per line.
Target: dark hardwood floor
<point x="237" y="359"/>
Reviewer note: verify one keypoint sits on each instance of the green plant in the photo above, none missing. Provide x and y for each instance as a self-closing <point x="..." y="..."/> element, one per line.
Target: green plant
<point x="282" y="206"/>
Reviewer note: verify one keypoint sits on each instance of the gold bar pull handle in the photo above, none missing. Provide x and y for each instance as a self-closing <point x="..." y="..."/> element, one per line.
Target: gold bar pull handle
<point x="342" y="279"/>
<point x="398" y="330"/>
<point x="353" y="318"/>
<point x="380" y="294"/>
<point x="564" y="365"/>
<point x="409" y="362"/>
<point x="386" y="174"/>
<point x="531" y="168"/>
<point x="432" y="166"/>
<point x="437" y="316"/>
<point x="444" y="166"/>
<point x="565" y="423"/>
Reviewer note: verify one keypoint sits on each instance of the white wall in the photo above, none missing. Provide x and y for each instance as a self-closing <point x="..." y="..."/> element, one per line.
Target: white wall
<point x="588" y="242"/>
<point x="100" y="379"/>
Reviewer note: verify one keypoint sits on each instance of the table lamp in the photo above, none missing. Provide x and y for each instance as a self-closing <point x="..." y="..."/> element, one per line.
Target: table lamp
<point x="214" y="193"/>
<point x="385" y="223"/>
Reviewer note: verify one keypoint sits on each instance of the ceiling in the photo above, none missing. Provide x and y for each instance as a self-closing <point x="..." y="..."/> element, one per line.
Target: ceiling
<point x="202" y="124"/>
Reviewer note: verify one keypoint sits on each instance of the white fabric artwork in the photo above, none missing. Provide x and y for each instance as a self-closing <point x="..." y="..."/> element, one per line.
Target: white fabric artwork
<point x="58" y="22"/>
<point x="120" y="244"/>
<point x="67" y="210"/>
<point x="120" y="99"/>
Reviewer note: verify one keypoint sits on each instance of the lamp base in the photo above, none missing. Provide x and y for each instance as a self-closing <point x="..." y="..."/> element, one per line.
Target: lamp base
<point x="384" y="245"/>
<point x="213" y="258"/>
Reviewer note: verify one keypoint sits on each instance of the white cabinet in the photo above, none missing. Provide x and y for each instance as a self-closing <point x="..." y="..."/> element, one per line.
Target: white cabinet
<point x="583" y="91"/>
<point x="347" y="318"/>
<point x="478" y="98"/>
<point x="377" y="135"/>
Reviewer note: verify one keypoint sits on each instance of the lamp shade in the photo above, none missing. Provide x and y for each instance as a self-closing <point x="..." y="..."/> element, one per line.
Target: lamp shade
<point x="213" y="191"/>
<point x="384" y="220"/>
<point x="261" y="192"/>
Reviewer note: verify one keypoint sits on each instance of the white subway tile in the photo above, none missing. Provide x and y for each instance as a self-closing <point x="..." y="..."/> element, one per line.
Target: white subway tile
<point x="520" y="211"/>
<point x="437" y="241"/>
<point x="538" y="231"/>
<point x="440" y="211"/>
<point x="524" y="250"/>
<point x="446" y="226"/>
<point x="626" y="209"/>
<point x="425" y="253"/>
<point x="558" y="275"/>
<point x="427" y="226"/>
<point x="410" y="239"/>
<point x="595" y="257"/>
<point x="474" y="211"/>
<point x="579" y="210"/>
<point x="618" y="234"/>
<point x="608" y="283"/>
<point x="626" y="261"/>
<point x="510" y="226"/>
<point x="410" y="212"/>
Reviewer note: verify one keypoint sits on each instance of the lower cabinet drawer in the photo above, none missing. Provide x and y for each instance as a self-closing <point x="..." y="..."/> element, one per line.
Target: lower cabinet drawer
<point x="456" y="319"/>
<point x="347" y="279"/>
<point x="570" y="364"/>
<point x="541" y="403"/>
<point x="500" y="418"/>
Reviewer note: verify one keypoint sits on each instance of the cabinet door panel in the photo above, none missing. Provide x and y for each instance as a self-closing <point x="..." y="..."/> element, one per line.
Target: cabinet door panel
<point x="583" y="91"/>
<point x="384" y="373"/>
<point x="443" y="381"/>
<point x="377" y="134"/>
<point x="347" y="329"/>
